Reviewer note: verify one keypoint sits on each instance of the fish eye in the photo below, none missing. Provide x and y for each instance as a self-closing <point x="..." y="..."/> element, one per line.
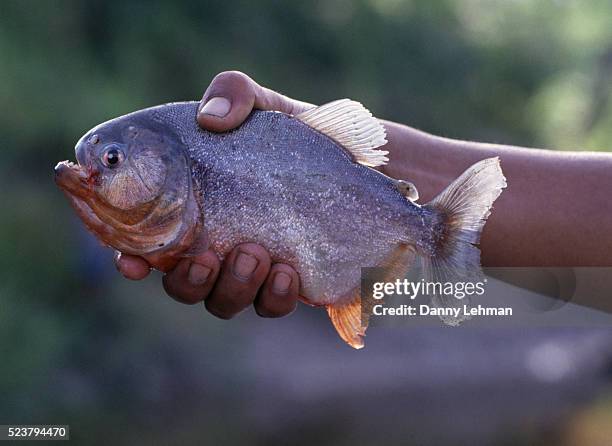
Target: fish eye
<point x="112" y="156"/>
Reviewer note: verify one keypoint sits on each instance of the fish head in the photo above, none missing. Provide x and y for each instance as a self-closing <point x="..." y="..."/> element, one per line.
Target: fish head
<point x="132" y="186"/>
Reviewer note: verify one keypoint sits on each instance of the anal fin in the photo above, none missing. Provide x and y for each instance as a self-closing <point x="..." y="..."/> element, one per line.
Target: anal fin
<point x="346" y="318"/>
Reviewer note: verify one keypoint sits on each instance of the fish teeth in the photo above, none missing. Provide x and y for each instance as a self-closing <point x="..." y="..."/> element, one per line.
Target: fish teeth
<point x="71" y="164"/>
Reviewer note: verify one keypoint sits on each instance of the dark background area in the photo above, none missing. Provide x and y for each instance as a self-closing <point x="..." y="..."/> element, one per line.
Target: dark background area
<point x="123" y="364"/>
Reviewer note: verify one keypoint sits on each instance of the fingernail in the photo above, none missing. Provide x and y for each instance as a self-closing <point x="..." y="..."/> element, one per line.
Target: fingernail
<point x="217" y="106"/>
<point x="117" y="260"/>
<point x="281" y="283"/>
<point x="244" y="265"/>
<point x="119" y="263"/>
<point x="198" y="274"/>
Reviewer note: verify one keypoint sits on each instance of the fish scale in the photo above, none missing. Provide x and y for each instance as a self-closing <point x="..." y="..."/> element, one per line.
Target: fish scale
<point x="261" y="192"/>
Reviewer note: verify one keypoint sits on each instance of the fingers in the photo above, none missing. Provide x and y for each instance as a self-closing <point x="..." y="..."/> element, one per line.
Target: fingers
<point x="132" y="267"/>
<point x="192" y="279"/>
<point x="246" y="277"/>
<point x="232" y="95"/>
<point x="278" y="296"/>
<point x="244" y="271"/>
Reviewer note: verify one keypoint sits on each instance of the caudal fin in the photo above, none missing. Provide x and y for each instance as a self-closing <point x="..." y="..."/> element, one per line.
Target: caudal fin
<point x="464" y="207"/>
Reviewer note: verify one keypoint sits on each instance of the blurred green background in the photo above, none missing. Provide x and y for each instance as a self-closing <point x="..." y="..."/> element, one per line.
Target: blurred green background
<point x="121" y="362"/>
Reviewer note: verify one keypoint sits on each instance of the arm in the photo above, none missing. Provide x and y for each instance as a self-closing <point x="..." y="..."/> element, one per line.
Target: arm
<point x="556" y="210"/>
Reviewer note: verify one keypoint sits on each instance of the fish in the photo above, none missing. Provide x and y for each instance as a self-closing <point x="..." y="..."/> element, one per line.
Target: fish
<point x="153" y="183"/>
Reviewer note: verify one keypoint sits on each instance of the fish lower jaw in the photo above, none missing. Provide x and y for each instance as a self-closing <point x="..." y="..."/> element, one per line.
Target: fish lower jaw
<point x="118" y="238"/>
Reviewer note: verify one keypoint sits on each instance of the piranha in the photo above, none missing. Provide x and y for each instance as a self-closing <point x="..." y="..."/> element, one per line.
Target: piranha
<point x="153" y="183"/>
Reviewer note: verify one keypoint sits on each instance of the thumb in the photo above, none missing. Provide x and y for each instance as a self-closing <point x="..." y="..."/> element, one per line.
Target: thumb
<point x="232" y="95"/>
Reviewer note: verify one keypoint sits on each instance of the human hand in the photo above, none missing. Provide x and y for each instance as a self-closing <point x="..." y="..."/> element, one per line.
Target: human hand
<point x="247" y="275"/>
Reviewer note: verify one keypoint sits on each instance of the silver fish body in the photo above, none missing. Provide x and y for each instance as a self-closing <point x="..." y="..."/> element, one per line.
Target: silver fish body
<point x="277" y="182"/>
<point x="154" y="183"/>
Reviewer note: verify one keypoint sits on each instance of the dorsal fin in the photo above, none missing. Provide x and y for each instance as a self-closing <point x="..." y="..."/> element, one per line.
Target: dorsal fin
<point x="352" y="126"/>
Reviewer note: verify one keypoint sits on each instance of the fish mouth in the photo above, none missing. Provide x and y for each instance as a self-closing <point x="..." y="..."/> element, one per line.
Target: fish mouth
<point x="72" y="178"/>
<point x="76" y="183"/>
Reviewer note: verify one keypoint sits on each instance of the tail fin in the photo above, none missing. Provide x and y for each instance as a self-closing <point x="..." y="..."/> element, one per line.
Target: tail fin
<point x="464" y="206"/>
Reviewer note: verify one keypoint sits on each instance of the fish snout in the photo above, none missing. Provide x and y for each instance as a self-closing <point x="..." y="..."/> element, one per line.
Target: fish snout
<point x="70" y="177"/>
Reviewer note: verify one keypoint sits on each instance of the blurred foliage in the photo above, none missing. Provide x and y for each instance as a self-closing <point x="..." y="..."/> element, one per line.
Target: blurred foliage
<point x="536" y="73"/>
